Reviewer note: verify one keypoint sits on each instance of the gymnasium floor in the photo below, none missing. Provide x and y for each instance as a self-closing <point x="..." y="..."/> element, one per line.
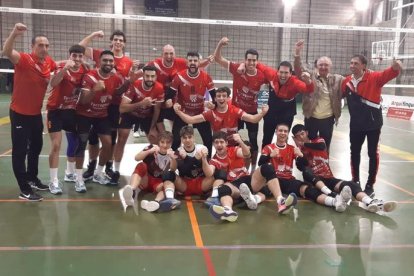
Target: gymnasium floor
<point x="88" y="234"/>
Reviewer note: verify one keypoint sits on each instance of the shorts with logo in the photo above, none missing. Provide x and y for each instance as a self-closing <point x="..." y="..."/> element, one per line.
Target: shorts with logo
<point x="59" y="119"/>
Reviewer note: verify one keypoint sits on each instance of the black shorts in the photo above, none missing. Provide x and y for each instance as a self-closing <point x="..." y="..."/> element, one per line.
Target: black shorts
<point x="288" y="186"/>
<point x="331" y="182"/>
<point x="128" y="120"/>
<point x="166" y="113"/>
<point x="244" y="179"/>
<point x="114" y="115"/>
<point x="102" y="126"/>
<point x="59" y="119"/>
<point x="251" y="127"/>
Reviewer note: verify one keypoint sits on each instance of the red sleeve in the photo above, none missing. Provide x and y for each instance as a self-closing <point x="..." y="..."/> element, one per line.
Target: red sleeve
<point x="130" y="93"/>
<point x="266" y="151"/>
<point x="269" y="72"/>
<point x="208" y="115"/>
<point x="301" y="86"/>
<point x="180" y="63"/>
<point x="209" y="82"/>
<point x="175" y="83"/>
<point x="233" y="67"/>
<point x="88" y="82"/>
<point x="96" y="53"/>
<point x="385" y="76"/>
<point x="159" y="92"/>
<point x="23" y="61"/>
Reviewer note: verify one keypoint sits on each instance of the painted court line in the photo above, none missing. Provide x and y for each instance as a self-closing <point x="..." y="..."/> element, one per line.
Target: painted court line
<point x="211" y="247"/>
<point x="198" y="239"/>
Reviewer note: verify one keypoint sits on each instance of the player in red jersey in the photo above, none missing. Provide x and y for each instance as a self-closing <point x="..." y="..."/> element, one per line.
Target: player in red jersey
<point x="141" y="105"/>
<point x="153" y="174"/>
<point x="316" y="170"/>
<point x="224" y="117"/>
<point x="188" y="88"/>
<point x="123" y="66"/>
<point x="98" y="88"/>
<point x="31" y="77"/>
<point x="61" y="113"/>
<point x="246" y="87"/>
<point x="282" y="91"/>
<point x="275" y="171"/>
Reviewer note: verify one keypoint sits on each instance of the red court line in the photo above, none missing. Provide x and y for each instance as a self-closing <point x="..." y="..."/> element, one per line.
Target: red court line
<point x="211" y="247"/>
<point x="197" y="237"/>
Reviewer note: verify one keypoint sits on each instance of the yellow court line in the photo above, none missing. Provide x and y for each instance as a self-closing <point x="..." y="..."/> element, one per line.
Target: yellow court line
<point x="4" y="120"/>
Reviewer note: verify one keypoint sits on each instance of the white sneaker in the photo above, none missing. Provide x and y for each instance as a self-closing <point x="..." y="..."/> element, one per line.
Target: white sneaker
<point x="341" y="200"/>
<point x="70" y="177"/>
<point x="80" y="186"/>
<point x="101" y="179"/>
<point x="136" y="134"/>
<point x="223" y="213"/>
<point x="54" y="188"/>
<point x="247" y="196"/>
<point x="379" y="205"/>
<point x="126" y="197"/>
<point x="150" y="206"/>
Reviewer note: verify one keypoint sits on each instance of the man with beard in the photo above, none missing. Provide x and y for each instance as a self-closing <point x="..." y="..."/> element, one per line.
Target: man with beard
<point x="123" y="65"/>
<point x="98" y="88"/>
<point x="61" y="113"/>
<point x="32" y="74"/>
<point x="188" y="88"/>
<point x="141" y="105"/>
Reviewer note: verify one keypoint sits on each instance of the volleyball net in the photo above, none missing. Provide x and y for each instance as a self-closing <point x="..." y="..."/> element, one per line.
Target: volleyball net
<point x="275" y="42"/>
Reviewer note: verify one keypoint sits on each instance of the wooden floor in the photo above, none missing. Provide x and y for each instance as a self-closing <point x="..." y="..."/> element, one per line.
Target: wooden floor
<point x="88" y="234"/>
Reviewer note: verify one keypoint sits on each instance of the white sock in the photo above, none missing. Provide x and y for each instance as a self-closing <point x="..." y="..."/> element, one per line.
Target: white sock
<point x="117" y="166"/>
<point x="279" y="199"/>
<point x="326" y="190"/>
<point x="99" y="169"/>
<point x="366" y="199"/>
<point x="70" y="167"/>
<point x="169" y="193"/>
<point x="228" y="208"/>
<point x="214" y="193"/>
<point x="53" y="174"/>
<point x="330" y="201"/>
<point x="79" y="173"/>
<point x="257" y="198"/>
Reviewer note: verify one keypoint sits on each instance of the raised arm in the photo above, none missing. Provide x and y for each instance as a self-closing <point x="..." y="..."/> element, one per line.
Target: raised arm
<point x="256" y="117"/>
<point x="8" y="49"/>
<point x="217" y="53"/>
<point x="57" y="78"/>
<point x="187" y="118"/>
<point x="297" y="63"/>
<point x="87" y="40"/>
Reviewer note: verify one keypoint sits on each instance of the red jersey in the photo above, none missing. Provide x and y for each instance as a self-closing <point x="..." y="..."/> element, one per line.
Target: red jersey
<point x="283" y="164"/>
<point x="137" y="93"/>
<point x="157" y="163"/>
<point x="165" y="74"/>
<point x="231" y="163"/>
<point x="98" y="107"/>
<point x="246" y="88"/>
<point x="122" y="64"/>
<point x="31" y="77"/>
<point x="191" y="91"/>
<point x="318" y="159"/>
<point x="227" y="121"/>
<point x="66" y="94"/>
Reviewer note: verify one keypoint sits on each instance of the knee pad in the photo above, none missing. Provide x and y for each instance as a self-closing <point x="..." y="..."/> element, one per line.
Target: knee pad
<point x="220" y="174"/>
<point x="309" y="177"/>
<point x="224" y="190"/>
<point x="114" y="134"/>
<point x="301" y="163"/>
<point x="312" y="193"/>
<point x="355" y="188"/>
<point x="168" y="176"/>
<point x="80" y="149"/>
<point x="93" y="137"/>
<point x="268" y="172"/>
<point x="72" y="144"/>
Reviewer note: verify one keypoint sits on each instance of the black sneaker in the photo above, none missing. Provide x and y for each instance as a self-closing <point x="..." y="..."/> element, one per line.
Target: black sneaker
<point x="369" y="190"/>
<point x="30" y="196"/>
<point x="108" y="170"/>
<point x="114" y="180"/>
<point x="38" y="185"/>
<point x="88" y="174"/>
